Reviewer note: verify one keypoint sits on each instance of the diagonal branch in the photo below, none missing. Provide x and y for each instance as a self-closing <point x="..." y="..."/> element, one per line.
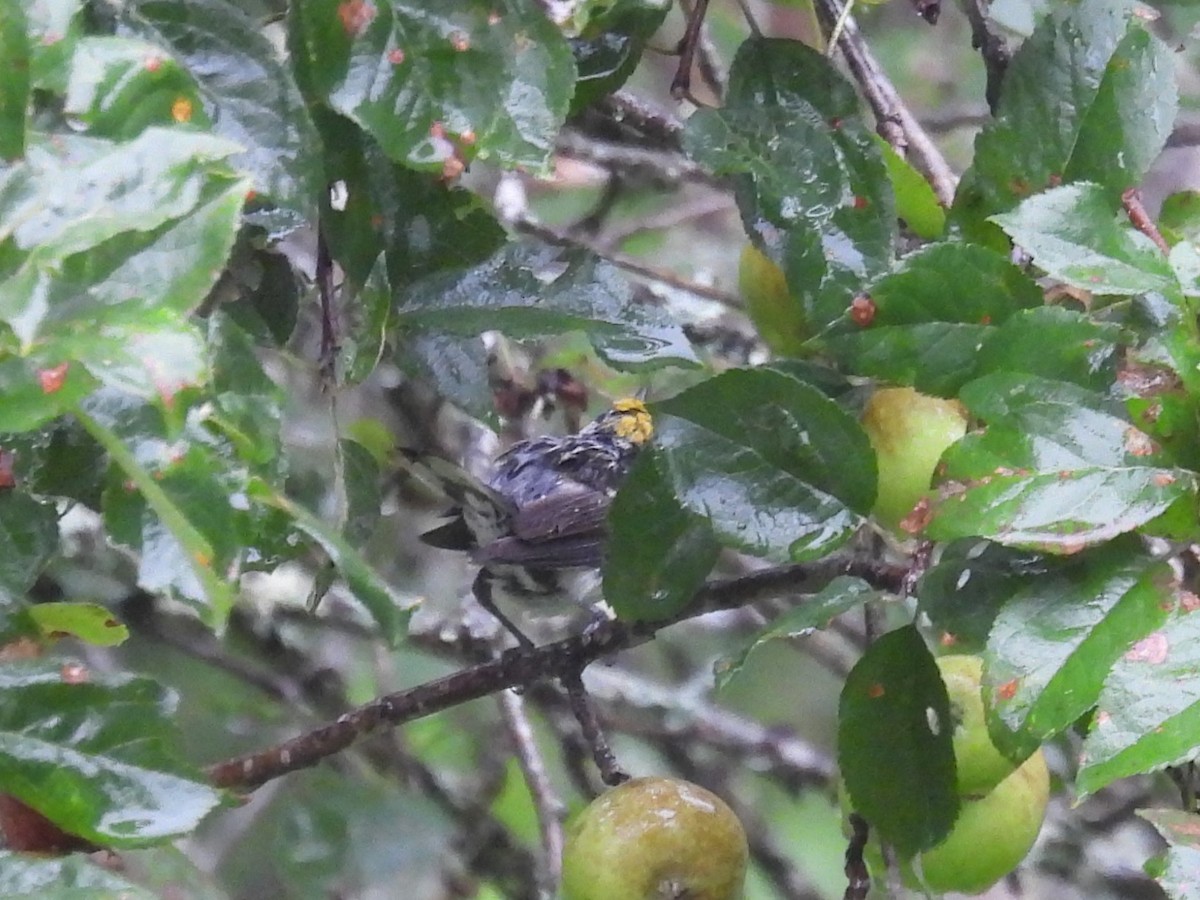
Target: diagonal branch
<point x="522" y="667"/>
<point x="893" y="119"/>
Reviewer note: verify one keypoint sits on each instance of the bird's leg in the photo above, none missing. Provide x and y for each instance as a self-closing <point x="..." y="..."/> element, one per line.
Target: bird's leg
<point x="482" y="589"/>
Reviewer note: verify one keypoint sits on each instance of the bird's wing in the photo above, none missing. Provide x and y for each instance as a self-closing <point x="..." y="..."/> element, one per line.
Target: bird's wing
<point x="563" y="530"/>
<point x="570" y="509"/>
<point x="478" y="508"/>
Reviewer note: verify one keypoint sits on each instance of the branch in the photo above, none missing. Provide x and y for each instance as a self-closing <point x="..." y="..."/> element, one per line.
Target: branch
<point x="522" y="667"/>
<point x="629" y="264"/>
<point x="550" y="809"/>
<point x="991" y="47"/>
<point x="894" y="121"/>
<point x="772" y="751"/>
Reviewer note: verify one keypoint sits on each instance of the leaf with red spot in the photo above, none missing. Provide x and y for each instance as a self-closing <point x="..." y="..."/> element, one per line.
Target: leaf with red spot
<point x="1058" y="468"/>
<point x="1075" y="235"/>
<point x="811" y="184"/>
<point x="501" y="72"/>
<point x="1056" y="637"/>
<point x="1148" y="716"/>
<point x="894" y="743"/>
<point x="1180" y="873"/>
<point x="925" y="323"/>
<point x="1119" y="79"/>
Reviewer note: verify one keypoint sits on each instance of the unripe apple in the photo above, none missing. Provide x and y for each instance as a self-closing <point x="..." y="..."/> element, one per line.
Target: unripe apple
<point x="909" y="432"/>
<point x="980" y="765"/>
<point x="655" y="839"/>
<point x="991" y="835"/>
<point x="776" y="314"/>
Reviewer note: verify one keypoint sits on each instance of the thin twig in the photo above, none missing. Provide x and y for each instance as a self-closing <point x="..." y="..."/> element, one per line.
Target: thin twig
<point x="991" y="47"/>
<point x="659" y="163"/>
<point x="894" y="121"/>
<point x="611" y="772"/>
<point x="645" y="707"/>
<point x="751" y="22"/>
<point x="708" y="62"/>
<point x="858" y="880"/>
<point x="550" y="809"/>
<point x="629" y="264"/>
<point x="681" y="84"/>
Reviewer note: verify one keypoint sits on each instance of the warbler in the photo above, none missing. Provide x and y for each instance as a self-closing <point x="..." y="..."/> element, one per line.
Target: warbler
<point x="536" y="526"/>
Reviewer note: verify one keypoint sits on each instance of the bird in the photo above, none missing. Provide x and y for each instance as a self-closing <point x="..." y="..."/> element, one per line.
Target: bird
<point x="536" y="526"/>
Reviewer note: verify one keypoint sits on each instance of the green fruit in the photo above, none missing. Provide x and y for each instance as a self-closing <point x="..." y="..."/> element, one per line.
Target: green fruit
<point x="991" y="836"/>
<point x="980" y="765"/>
<point x="778" y="317"/>
<point x="989" y="839"/>
<point x="655" y="839"/>
<point x="909" y="432"/>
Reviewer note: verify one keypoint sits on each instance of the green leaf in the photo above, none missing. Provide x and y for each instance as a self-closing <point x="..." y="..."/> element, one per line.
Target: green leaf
<point x="1055" y="343"/>
<point x="91" y="752"/>
<point x="247" y="406"/>
<point x="1149" y="710"/>
<point x="777" y="468"/>
<point x="54" y="27"/>
<point x="658" y="553"/>
<point x="1058" y="468"/>
<point x="1073" y="235"/>
<point x="360" y="484"/>
<point x="813" y="613"/>
<point x="1061" y="513"/>
<point x="529" y="292"/>
<point x="1056" y="638"/>
<point x="14" y="78"/>
<point x="69" y="878"/>
<point x="251" y="97"/>
<point x="492" y="80"/>
<point x="1042" y="425"/>
<point x="116" y="243"/>
<point x="1181" y="831"/>
<point x="28" y="538"/>
<point x="385" y="606"/>
<point x="811" y="184"/>
<point x="178" y="515"/>
<point x="916" y="203"/>
<point x="1089" y="97"/>
<point x="89" y="622"/>
<point x="933" y="315"/>
<point x="894" y="743"/>
<point x="1179" y="218"/>
<point x="423" y="225"/>
<point x="609" y="48"/>
<point x="364" y="340"/>
<point x="969" y="585"/>
<point x="119" y="86"/>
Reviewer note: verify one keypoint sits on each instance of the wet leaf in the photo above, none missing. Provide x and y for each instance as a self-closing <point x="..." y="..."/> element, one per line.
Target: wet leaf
<point x="813" y="613"/>
<point x="1055" y="639"/>
<point x="1074" y="236"/>
<point x="894" y="743"/>
<point x="487" y="80"/>
<point x="658" y="553"/>
<point x="933" y="315"/>
<point x="776" y="467"/>
<point x="91" y="752"/>
<point x="1122" y="101"/>
<point x="1149" y="710"/>
<point x="249" y="94"/>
